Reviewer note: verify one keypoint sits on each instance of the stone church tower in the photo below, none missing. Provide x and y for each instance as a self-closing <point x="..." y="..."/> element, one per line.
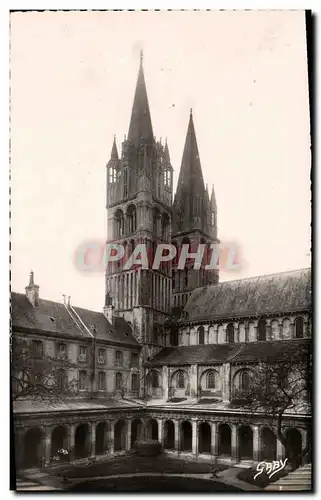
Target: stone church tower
<point x="194" y="222"/>
<point x="139" y="208"/>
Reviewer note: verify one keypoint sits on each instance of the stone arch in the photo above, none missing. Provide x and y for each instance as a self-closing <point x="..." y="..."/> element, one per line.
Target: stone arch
<point x="165" y="226"/>
<point x="120" y="434"/>
<point x="230" y="333"/>
<point x="245" y="435"/>
<point x="119" y="223"/>
<point x="201" y="335"/>
<point x="210" y="382"/>
<point x="137" y="431"/>
<point x="224" y="440"/>
<point x="286" y="329"/>
<point x="33" y="447"/>
<point x="261" y="330"/>
<point x="268" y="444"/>
<point x="82" y="441"/>
<point x="275" y="330"/>
<point x="169" y="435"/>
<point x="152" y="429"/>
<point x="294" y="445"/>
<point x="131" y="215"/>
<point x="58" y="439"/>
<point x="186" y="435"/>
<point x="101" y="438"/>
<point x="299" y="327"/>
<point x="204" y="437"/>
<point x="179" y="384"/>
<point x="242" y="379"/>
<point x="154" y="383"/>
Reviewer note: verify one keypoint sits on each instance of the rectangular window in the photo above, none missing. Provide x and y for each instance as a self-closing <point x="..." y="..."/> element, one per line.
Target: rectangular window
<point x="119" y="381"/>
<point x="61" y="351"/>
<point x="82" y="380"/>
<point x="119" y="358"/>
<point x="101" y="381"/>
<point x="37" y="348"/>
<point x="101" y="356"/>
<point x="82" y="353"/>
<point x="134" y="381"/>
<point x="134" y="359"/>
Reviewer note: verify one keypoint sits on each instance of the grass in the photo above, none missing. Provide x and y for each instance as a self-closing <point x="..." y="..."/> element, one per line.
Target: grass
<point x="134" y="464"/>
<point x="262" y="480"/>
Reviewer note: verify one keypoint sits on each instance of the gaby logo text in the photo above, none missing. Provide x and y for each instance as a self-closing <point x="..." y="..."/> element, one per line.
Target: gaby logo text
<point x="270" y="468"/>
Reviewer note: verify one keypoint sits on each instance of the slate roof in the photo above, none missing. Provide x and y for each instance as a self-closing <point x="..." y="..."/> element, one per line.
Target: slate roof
<point x="268" y="294"/>
<point x="220" y="353"/>
<point x="53" y="317"/>
<point x="32" y="406"/>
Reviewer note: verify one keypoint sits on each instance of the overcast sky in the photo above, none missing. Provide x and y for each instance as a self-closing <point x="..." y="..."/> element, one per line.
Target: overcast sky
<point x="73" y="78"/>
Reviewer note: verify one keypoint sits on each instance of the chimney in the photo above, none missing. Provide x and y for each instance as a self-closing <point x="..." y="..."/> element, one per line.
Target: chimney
<point x="32" y="291"/>
<point x="109" y="309"/>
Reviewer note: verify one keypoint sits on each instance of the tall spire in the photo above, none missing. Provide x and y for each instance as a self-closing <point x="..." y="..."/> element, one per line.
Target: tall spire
<point x="114" y="152"/>
<point x="213" y="199"/>
<point x="190" y="178"/>
<point x="166" y="153"/>
<point x="140" y="127"/>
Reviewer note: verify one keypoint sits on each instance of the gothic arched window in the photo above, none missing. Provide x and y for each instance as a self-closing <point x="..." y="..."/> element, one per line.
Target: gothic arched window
<point x="245" y="381"/>
<point x="261" y="330"/>
<point x="119" y="217"/>
<point x="131" y="219"/>
<point x="298" y="328"/>
<point x="211" y="380"/>
<point x="201" y="335"/>
<point x="230" y="333"/>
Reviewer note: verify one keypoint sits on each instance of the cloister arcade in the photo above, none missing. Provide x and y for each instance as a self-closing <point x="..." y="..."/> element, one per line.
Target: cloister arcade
<point x="205" y="438"/>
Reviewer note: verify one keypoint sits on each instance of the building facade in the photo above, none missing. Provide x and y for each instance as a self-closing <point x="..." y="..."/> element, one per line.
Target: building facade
<point x="171" y="348"/>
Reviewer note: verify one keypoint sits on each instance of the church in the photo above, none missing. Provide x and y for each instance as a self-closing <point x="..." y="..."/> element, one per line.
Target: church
<point x="165" y="357"/>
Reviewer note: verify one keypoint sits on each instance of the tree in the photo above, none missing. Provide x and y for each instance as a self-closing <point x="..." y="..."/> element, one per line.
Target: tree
<point x="36" y="375"/>
<point x="280" y="382"/>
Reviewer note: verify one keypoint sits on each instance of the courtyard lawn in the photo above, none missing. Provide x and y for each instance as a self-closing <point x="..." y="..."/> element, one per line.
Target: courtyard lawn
<point x="134" y="464"/>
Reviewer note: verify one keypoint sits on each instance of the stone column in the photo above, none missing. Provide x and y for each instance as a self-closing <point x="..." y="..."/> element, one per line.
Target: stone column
<point x="177" y="435"/>
<point x="165" y="383"/>
<point x="129" y="435"/>
<point x="234" y="443"/>
<point x="268" y="329"/>
<point x="160" y="430"/>
<point x="111" y="437"/>
<point x="71" y="440"/>
<point x="195" y="431"/>
<point x="93" y="439"/>
<point x="246" y="331"/>
<point x="304" y="434"/>
<point x="206" y="334"/>
<point x="193" y="380"/>
<point x="214" y="439"/>
<point x="256" y="443"/>
<point x="19" y="446"/>
<point x="225" y="373"/>
<point x="280" y="450"/>
<point x="47" y="445"/>
<point x="236" y="332"/>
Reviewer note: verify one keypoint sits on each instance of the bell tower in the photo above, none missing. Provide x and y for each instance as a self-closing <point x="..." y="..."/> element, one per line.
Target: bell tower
<point x="139" y="212"/>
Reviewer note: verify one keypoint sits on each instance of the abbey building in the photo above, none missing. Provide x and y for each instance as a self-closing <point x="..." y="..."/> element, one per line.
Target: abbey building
<point x="172" y="347"/>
